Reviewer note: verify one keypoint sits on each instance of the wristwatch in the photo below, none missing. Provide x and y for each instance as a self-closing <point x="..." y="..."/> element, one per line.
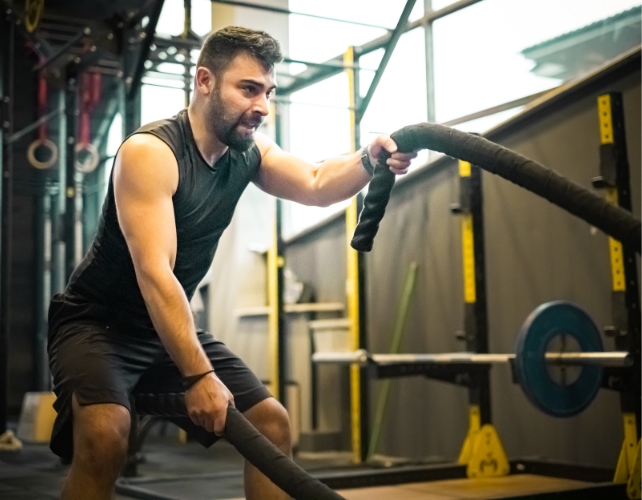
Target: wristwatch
<point x="365" y="161"/>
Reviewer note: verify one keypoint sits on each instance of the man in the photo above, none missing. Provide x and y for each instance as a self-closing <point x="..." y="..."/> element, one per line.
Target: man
<point x="123" y="323"/>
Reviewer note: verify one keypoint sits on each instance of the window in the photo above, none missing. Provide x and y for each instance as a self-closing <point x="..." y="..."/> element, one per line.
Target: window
<point x="482" y="58"/>
<point x="319" y="117"/>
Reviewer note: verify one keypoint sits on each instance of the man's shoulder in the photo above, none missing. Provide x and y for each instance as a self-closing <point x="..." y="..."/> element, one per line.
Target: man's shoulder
<point x="173" y="122"/>
<point x="144" y="143"/>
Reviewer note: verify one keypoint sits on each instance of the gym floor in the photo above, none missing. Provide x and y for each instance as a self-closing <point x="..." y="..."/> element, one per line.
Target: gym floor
<point x="35" y="473"/>
<point x="189" y="471"/>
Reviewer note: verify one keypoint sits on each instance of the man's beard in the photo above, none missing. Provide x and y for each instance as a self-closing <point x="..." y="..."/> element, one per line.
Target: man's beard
<point x="224" y="124"/>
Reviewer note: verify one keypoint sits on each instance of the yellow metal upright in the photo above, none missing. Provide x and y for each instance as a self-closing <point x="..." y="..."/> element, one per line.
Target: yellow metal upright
<point x="482" y="452"/>
<point x="352" y="281"/>
<point x="274" y="265"/>
<point x="615" y="176"/>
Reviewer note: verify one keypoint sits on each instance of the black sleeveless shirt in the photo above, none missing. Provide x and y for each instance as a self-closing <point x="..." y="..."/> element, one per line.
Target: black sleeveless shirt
<point x="104" y="289"/>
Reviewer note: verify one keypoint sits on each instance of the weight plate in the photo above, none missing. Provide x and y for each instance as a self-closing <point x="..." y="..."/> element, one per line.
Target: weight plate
<point x="547" y="322"/>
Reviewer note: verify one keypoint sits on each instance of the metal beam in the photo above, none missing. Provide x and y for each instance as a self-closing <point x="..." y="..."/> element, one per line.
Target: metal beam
<point x="62" y="50"/>
<point x="390" y="47"/>
<point x="279" y="10"/>
<point x="497" y="109"/>
<point x="150" y="31"/>
<point x="314" y="75"/>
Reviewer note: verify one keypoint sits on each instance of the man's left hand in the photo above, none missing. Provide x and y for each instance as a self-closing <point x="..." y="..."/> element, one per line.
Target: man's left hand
<point x="398" y="162"/>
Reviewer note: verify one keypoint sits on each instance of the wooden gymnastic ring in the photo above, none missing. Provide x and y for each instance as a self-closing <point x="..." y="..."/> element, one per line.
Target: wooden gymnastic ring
<point x="91" y="162"/>
<point x="31" y="154"/>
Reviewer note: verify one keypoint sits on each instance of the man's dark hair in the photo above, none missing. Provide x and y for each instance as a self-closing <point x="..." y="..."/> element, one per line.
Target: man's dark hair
<point x="222" y="46"/>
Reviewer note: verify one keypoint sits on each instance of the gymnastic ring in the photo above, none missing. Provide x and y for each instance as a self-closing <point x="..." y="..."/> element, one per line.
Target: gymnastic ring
<point x="31" y="154"/>
<point x="33" y="14"/>
<point x="91" y="162"/>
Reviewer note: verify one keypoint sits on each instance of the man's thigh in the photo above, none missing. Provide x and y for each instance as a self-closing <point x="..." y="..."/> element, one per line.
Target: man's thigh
<point x="246" y="388"/>
<point x="97" y="366"/>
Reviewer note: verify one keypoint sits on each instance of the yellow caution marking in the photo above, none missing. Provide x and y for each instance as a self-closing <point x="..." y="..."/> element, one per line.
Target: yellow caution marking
<point x="627" y="452"/>
<point x="617" y="265"/>
<point x="633" y="486"/>
<point x="615" y="250"/>
<point x="488" y="458"/>
<point x="611" y="196"/>
<point x="464" y="168"/>
<point x="474" y="425"/>
<point x="468" y="255"/>
<point x="606" y="121"/>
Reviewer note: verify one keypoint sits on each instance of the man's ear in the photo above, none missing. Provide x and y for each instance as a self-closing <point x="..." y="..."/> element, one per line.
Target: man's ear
<point x="205" y="80"/>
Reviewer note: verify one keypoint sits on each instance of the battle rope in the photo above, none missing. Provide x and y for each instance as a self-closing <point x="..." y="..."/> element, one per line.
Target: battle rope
<point x="250" y="443"/>
<point x="527" y="173"/>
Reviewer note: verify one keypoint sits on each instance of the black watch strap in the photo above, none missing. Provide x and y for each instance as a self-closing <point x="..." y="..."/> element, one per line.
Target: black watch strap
<point x="365" y="161"/>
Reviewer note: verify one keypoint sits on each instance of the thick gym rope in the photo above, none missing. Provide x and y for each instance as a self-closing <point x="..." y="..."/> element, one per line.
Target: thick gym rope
<point x="527" y="173"/>
<point x="250" y="443"/>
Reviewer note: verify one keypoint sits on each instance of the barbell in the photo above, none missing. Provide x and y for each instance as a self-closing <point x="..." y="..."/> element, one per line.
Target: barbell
<point x="562" y="323"/>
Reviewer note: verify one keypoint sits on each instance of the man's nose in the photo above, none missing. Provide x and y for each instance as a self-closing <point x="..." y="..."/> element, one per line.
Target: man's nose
<point x="262" y="104"/>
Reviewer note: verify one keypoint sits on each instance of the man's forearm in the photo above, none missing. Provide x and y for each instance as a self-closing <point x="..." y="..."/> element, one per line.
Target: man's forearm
<point x="339" y="178"/>
<point x="172" y="318"/>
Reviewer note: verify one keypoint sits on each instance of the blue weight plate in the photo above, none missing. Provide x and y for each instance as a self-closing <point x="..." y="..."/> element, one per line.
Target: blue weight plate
<point x="548" y="321"/>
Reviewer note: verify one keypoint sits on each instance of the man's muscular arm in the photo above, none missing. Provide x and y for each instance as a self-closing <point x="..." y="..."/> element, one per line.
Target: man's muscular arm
<point x="334" y="180"/>
<point x="145" y="179"/>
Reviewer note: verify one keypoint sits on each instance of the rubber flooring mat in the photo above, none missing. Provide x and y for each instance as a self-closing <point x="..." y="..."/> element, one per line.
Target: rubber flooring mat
<point x="460" y="489"/>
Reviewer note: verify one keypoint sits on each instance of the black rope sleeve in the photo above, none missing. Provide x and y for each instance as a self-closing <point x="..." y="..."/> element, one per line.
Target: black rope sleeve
<point x="250" y="443"/>
<point x="374" y="205"/>
<point x="527" y="173"/>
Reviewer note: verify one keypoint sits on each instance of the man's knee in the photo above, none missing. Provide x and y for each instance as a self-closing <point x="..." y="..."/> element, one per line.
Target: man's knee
<point x="272" y="420"/>
<point x="101" y="434"/>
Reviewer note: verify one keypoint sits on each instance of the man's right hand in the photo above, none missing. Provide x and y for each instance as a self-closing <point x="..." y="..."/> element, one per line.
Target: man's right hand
<point x="207" y="401"/>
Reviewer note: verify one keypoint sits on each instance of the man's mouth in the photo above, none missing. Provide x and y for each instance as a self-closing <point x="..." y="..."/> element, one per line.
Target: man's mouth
<point x="250" y="125"/>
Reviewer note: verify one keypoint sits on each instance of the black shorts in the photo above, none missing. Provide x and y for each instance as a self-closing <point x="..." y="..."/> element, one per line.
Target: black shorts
<point x="100" y="365"/>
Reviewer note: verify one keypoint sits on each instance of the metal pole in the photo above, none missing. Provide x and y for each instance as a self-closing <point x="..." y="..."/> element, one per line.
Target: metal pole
<point x="43" y="287"/>
<point x="71" y="187"/>
<point x="187" y="29"/>
<point x="430" y="64"/>
<point x="6" y="179"/>
<point x="275" y="302"/>
<point x="282" y="347"/>
<point x="355" y="285"/>
<point x="480" y="393"/>
<point x="58" y="273"/>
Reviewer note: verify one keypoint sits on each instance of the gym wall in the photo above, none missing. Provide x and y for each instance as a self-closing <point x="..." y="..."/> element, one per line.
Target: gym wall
<point x="535" y="253"/>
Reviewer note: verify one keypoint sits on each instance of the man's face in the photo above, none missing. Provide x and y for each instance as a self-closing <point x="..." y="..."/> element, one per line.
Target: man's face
<point x="239" y="101"/>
